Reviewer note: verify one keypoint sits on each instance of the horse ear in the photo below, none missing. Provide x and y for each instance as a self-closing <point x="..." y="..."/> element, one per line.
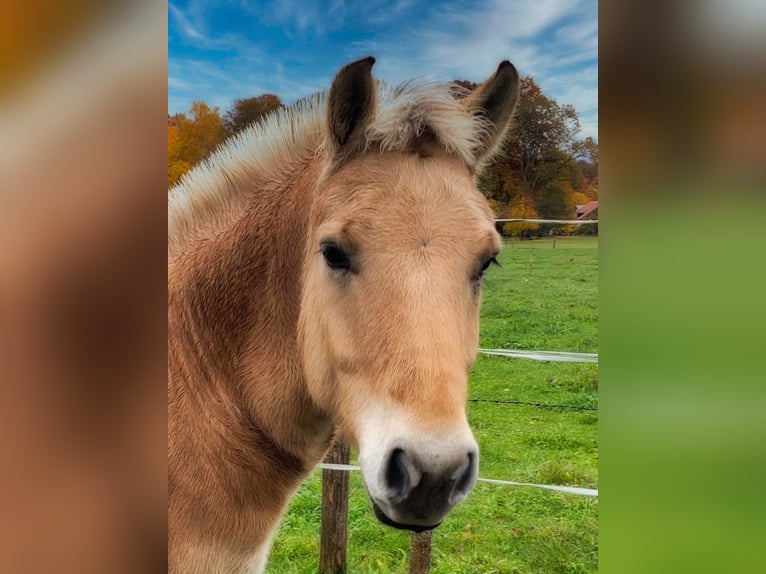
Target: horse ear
<point x="494" y="100"/>
<point x="350" y="109"/>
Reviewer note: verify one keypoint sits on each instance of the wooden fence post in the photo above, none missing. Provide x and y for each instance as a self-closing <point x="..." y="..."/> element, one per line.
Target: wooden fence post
<point x="332" y="550"/>
<point x="420" y="553"/>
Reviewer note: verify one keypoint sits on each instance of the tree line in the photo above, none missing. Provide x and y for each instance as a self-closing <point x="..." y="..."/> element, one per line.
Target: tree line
<point x="543" y="172"/>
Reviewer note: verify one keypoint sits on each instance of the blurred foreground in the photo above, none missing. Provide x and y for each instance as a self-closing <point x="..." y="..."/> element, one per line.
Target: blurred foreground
<point x="682" y="306"/>
<point x="82" y="289"/>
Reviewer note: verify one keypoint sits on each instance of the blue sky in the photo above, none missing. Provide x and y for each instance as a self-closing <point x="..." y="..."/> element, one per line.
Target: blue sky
<point x="219" y="50"/>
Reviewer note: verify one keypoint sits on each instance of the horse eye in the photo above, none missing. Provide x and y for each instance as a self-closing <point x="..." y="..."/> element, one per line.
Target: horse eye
<point x="336" y="258"/>
<point x="487" y="263"/>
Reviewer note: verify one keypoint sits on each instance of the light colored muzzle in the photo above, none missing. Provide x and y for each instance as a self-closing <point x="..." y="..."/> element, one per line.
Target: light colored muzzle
<point x="414" y="476"/>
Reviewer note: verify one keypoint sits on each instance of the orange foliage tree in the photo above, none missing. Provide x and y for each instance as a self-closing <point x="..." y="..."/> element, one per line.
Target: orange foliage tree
<point x="521" y="207"/>
<point x="192" y="139"/>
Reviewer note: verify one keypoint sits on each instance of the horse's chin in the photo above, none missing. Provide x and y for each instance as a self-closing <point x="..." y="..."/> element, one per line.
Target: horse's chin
<point x="388" y="522"/>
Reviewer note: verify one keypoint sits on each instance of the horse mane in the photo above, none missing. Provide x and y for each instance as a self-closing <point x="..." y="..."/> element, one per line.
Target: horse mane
<point x="213" y="195"/>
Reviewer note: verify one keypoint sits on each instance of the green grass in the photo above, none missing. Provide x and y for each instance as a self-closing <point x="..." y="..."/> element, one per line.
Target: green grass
<point x="543" y="298"/>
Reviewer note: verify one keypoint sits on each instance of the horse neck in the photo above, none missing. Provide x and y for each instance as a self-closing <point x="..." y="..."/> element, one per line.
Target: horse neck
<point x="234" y="306"/>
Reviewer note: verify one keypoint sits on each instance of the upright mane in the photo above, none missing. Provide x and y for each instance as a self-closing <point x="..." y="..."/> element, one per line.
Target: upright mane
<point x="214" y="194"/>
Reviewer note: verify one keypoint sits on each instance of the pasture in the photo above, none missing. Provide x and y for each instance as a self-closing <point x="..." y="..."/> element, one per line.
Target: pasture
<point x="540" y="299"/>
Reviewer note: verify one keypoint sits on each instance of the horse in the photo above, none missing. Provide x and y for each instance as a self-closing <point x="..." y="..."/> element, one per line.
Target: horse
<point x="324" y="277"/>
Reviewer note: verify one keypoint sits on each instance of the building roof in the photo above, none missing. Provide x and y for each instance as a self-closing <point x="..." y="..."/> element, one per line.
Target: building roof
<point x="588" y="210"/>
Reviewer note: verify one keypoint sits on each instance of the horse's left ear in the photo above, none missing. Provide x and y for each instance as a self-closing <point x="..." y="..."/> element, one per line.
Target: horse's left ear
<point x="494" y="100"/>
<point x="350" y="108"/>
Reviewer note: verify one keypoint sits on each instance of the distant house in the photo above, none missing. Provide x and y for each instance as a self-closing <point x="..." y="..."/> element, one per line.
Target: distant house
<point x="588" y="210"/>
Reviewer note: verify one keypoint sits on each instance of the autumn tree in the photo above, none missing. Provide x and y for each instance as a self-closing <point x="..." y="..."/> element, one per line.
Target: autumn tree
<point x="588" y="150"/>
<point x="587" y="153"/>
<point x="192" y="139"/>
<point x="201" y="133"/>
<point x="540" y="144"/>
<point x="497" y="183"/>
<point x="521" y="207"/>
<point x="580" y="198"/>
<point x="245" y="111"/>
<point x="176" y="165"/>
<point x="555" y="200"/>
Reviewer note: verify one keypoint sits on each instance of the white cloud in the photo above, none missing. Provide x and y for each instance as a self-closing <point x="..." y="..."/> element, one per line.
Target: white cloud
<point x="192" y="24"/>
<point x="175" y="83"/>
<point x="556" y="41"/>
<point x="184" y="24"/>
<point x="310" y="15"/>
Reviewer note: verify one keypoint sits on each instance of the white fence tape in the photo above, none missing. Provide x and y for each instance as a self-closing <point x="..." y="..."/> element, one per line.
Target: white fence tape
<point x="562" y="221"/>
<point x="333" y="466"/>
<point x="567" y="489"/>
<point x="553" y="356"/>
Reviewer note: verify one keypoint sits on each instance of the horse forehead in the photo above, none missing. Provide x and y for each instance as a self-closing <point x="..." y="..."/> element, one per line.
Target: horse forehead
<point x="427" y="180"/>
<point x="410" y="195"/>
<point x="416" y="221"/>
<point x="402" y="174"/>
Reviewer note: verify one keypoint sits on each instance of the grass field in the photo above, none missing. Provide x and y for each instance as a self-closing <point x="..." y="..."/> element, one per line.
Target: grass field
<point x="543" y="298"/>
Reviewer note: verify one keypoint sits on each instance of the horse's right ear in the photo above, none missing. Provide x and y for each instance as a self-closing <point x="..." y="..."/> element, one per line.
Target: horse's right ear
<point x="350" y="109"/>
<point x="495" y="101"/>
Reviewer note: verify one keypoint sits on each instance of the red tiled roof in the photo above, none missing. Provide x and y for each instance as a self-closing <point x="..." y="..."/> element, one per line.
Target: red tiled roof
<point x="584" y="211"/>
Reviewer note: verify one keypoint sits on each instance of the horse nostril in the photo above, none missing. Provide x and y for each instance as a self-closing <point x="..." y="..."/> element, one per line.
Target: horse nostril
<point x="465" y="480"/>
<point x="398" y="474"/>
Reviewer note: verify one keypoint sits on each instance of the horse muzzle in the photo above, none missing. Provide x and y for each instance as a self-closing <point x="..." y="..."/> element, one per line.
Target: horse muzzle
<point x="415" y="492"/>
